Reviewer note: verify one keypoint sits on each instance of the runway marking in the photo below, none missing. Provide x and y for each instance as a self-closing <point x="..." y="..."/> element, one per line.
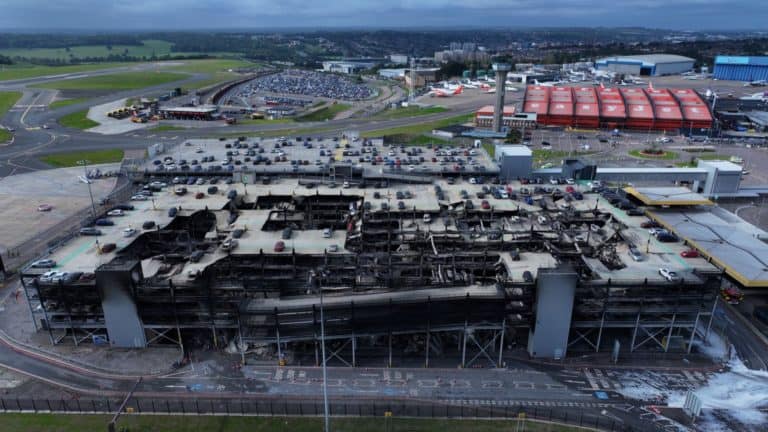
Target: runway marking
<point x="363" y="382"/>
<point x="591" y="379"/>
<point x="524" y="385"/>
<point x="555" y="387"/>
<point x="429" y="383"/>
<point x="492" y="384"/>
<point x="460" y="383"/>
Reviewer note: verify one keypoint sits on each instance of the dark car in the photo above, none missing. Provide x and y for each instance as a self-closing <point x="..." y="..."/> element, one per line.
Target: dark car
<point x="123" y="207"/>
<point x="151" y="224"/>
<point x="212" y="190"/>
<point x="172" y="212"/>
<point x="237" y="233"/>
<point x="528" y="276"/>
<point x="108" y="247"/>
<point x="666" y="237"/>
<point x="232" y="194"/>
<point x="468" y="205"/>
<point x="104" y="222"/>
<point x="400" y="205"/>
<point x="287" y="233"/>
<point x="196" y="256"/>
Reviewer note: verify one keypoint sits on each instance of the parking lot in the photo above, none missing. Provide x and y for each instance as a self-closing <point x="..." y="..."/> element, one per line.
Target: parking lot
<point x="314" y="155"/>
<point x="307" y="83"/>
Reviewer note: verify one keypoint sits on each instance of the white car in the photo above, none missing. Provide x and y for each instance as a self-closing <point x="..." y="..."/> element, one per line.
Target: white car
<point x="158" y="184"/>
<point x="229" y="244"/>
<point x="570" y="181"/>
<point x="115" y="212"/>
<point x="472" y="180"/>
<point x="669" y="275"/>
<point x="552" y="180"/>
<point x="128" y="232"/>
<point x="44" y="263"/>
<point x="47" y="276"/>
<point x="345" y="185"/>
<point x="139" y="198"/>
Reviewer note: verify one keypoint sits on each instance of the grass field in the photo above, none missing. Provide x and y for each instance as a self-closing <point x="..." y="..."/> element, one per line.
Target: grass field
<point x="95" y="157"/>
<point x="418" y="129"/>
<point x="66" y="102"/>
<point x="218" y="68"/>
<point x="7" y="100"/>
<point x="667" y="155"/>
<point x="151" y="47"/>
<point x="323" y="114"/>
<point x="490" y="149"/>
<point x="118" y="81"/>
<point x="410" y="111"/>
<point x="78" y="120"/>
<point x="78" y="423"/>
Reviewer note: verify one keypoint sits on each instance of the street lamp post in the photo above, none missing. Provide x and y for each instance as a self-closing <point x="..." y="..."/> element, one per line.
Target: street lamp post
<point x="84" y="163"/>
<point x="326" y="413"/>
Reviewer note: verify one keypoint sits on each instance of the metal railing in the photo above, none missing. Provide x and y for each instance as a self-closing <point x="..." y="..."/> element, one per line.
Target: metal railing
<point x="282" y="407"/>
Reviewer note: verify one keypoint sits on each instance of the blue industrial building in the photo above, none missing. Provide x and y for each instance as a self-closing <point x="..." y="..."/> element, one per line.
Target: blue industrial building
<point x="646" y="64"/>
<point x="741" y="68"/>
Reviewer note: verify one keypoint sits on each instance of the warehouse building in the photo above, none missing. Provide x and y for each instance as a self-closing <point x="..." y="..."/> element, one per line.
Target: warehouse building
<point x="646" y="65"/>
<point x="741" y="68"/>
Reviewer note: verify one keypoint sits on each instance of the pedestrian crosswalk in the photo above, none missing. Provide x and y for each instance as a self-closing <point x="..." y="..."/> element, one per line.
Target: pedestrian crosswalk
<point x="602" y="379"/>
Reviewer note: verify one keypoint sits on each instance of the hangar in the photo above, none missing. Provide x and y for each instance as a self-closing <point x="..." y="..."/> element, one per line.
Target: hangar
<point x="646" y="65"/>
<point x="741" y="68"/>
<point x="626" y="107"/>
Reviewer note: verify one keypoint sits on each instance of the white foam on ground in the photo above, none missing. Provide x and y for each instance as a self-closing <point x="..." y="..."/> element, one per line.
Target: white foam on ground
<point x="739" y="391"/>
<point x="715" y="347"/>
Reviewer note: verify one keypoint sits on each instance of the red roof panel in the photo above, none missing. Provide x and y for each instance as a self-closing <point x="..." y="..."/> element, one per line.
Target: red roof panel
<point x="585" y="95"/>
<point x="537" y="99"/>
<point x="612" y="104"/>
<point x="665" y="106"/>
<point x="694" y="108"/>
<point x="638" y="105"/>
<point x="587" y="110"/>
<point x="561" y="102"/>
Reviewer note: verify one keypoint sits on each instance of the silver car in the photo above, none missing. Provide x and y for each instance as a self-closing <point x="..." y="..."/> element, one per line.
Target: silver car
<point x="636" y="254"/>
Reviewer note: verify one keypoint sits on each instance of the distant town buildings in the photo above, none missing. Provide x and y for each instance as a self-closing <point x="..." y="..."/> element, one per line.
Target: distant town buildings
<point x="463" y="52"/>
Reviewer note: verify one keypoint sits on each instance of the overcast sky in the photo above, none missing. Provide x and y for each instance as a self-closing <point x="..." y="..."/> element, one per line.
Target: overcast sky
<point x="255" y="14"/>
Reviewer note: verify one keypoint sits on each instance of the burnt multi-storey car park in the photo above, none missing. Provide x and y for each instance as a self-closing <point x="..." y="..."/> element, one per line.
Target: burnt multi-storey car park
<point x="458" y="267"/>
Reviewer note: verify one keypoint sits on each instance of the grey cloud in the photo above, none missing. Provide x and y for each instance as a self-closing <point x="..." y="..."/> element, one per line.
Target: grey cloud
<point x="192" y="14"/>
